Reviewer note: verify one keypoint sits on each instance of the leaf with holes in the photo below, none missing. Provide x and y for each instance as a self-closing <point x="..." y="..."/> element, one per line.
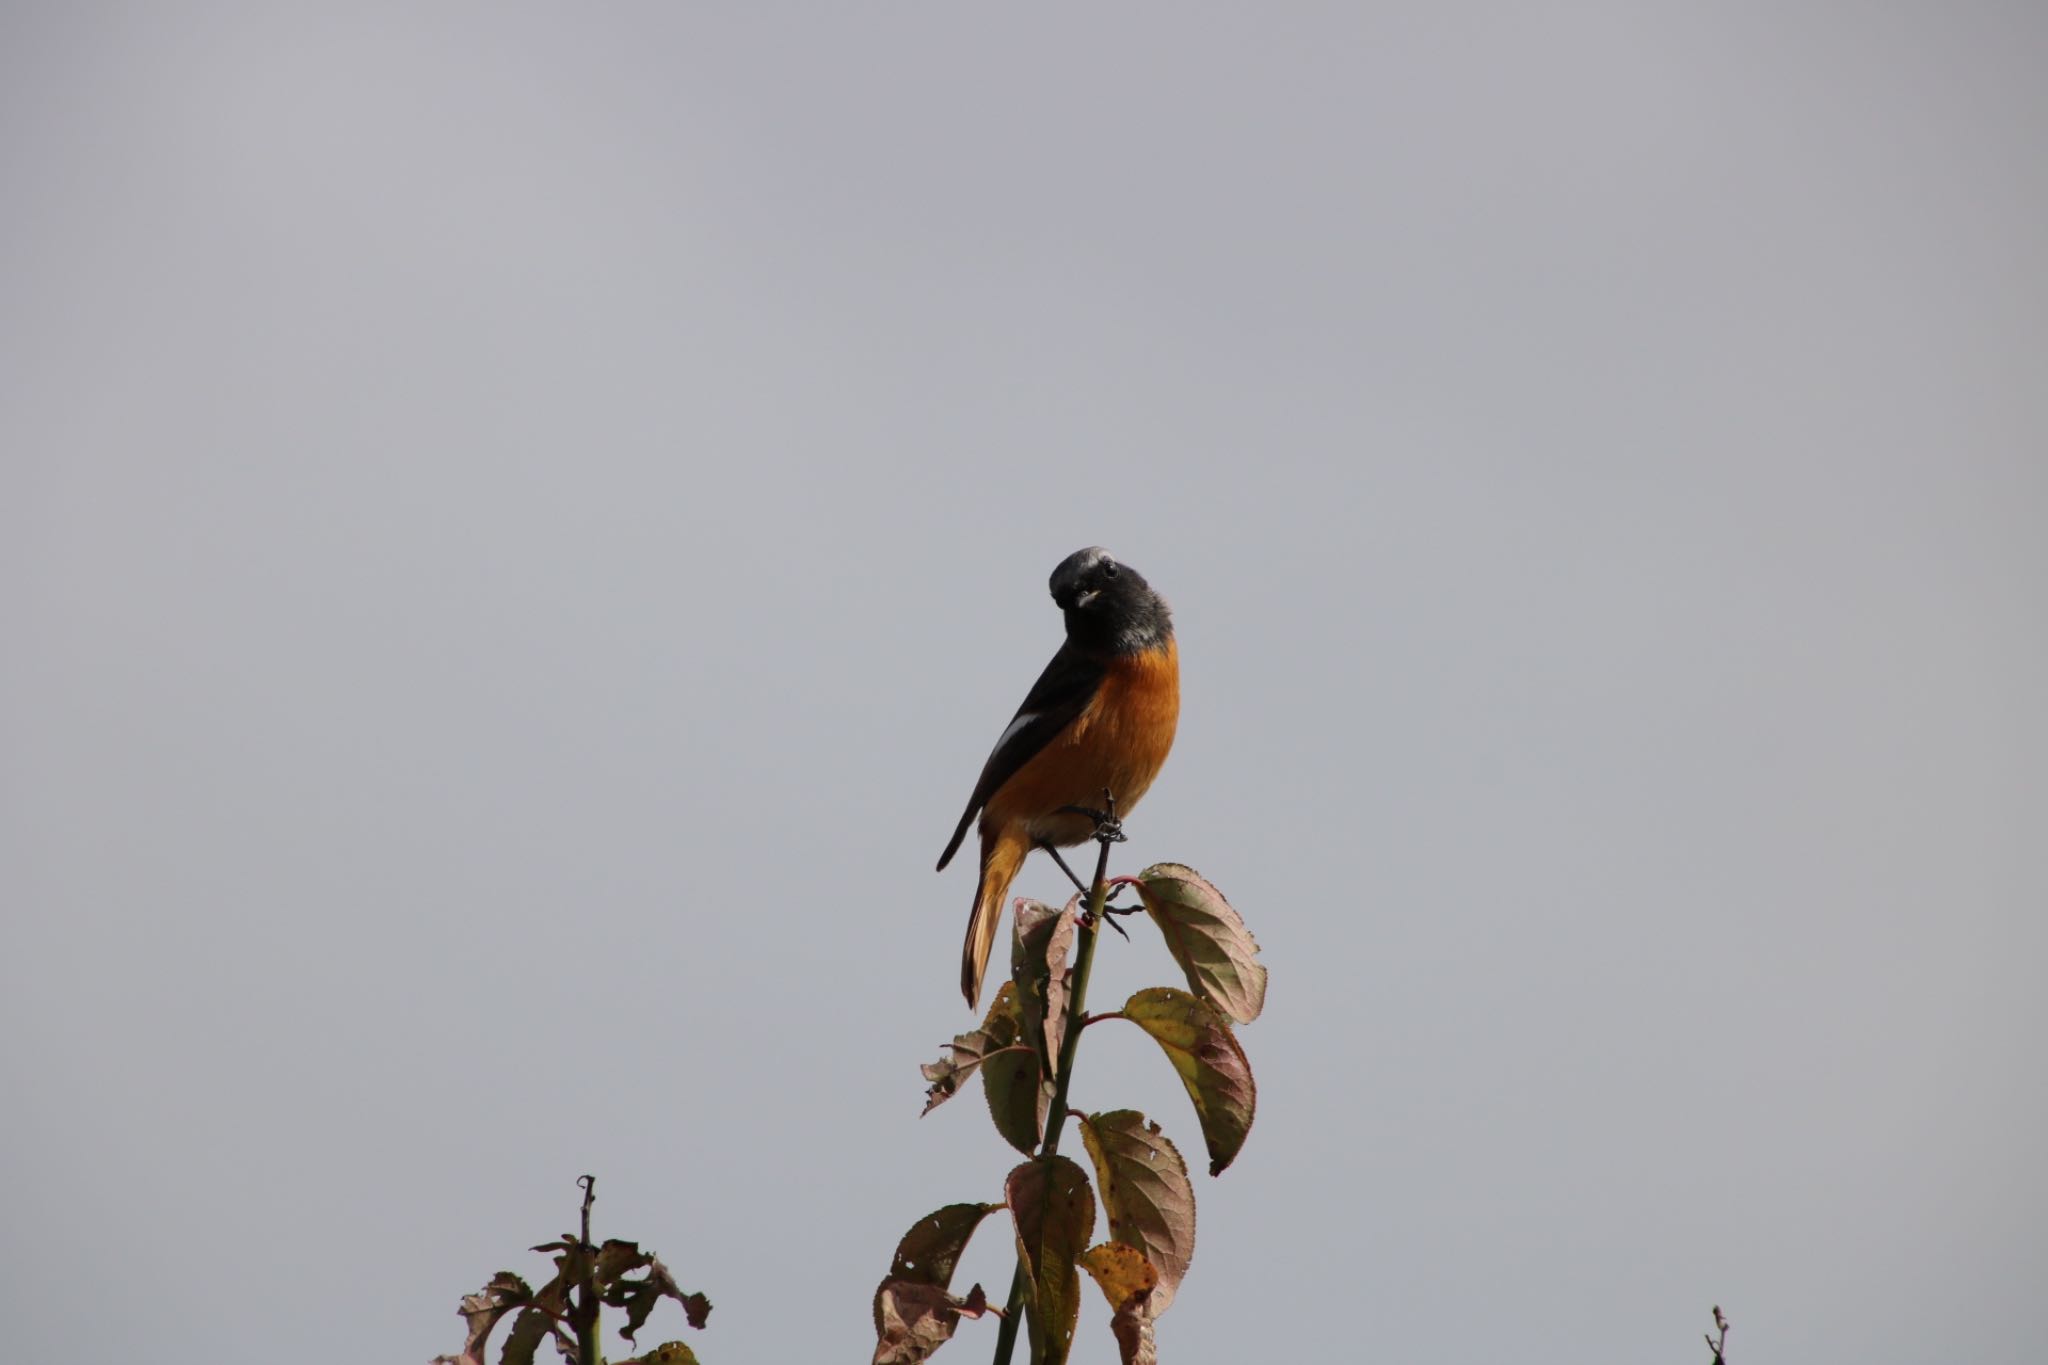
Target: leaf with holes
<point x="932" y="1248"/>
<point x="1207" y="938"/>
<point x="1199" y="1043"/>
<point x="1054" y="1215"/>
<point x="1144" y="1188"/>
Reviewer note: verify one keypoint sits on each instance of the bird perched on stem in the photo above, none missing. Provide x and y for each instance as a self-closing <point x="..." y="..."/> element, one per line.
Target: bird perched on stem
<point x="1101" y="717"/>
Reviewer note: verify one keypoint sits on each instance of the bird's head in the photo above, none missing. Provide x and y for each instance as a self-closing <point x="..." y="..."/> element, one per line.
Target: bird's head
<point x="1109" y="606"/>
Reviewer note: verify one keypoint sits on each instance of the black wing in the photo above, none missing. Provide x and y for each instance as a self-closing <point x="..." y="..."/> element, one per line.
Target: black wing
<point x="1061" y="693"/>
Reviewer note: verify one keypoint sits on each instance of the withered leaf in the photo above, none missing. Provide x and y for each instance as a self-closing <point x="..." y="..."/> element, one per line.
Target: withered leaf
<point x="1207" y="938"/>
<point x="1144" y="1188"/>
<point x="913" y="1319"/>
<point x="482" y="1311"/>
<point x="638" y="1297"/>
<point x="1017" y="1103"/>
<point x="1054" y="1215"/>
<point x="616" y="1258"/>
<point x="1218" y="1077"/>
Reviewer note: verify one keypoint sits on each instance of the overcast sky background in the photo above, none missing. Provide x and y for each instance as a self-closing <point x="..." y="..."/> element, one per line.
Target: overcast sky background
<point x="520" y="524"/>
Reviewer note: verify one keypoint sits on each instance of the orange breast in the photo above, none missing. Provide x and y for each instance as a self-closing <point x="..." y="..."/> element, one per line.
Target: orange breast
<point x="1119" y="742"/>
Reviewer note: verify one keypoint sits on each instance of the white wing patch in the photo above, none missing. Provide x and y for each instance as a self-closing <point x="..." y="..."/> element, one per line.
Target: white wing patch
<point x="1018" y="724"/>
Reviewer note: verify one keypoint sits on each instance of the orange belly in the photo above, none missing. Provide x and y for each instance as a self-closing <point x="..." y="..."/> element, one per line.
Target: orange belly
<point x="1120" y="742"/>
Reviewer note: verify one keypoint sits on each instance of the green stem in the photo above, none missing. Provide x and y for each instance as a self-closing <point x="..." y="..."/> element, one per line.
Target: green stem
<point x="1056" y="1117"/>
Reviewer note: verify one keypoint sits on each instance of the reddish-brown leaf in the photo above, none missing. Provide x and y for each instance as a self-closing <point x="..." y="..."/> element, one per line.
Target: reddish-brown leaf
<point x="1144" y="1188"/>
<point x="932" y="1247"/>
<point x="913" y="1319"/>
<point x="1041" y="940"/>
<point x="1207" y="938"/>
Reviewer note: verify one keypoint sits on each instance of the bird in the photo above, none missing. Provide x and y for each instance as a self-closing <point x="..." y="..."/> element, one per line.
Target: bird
<point x="1101" y="718"/>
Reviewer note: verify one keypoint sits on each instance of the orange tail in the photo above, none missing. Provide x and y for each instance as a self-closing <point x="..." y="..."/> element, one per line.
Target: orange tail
<point x="1001" y="856"/>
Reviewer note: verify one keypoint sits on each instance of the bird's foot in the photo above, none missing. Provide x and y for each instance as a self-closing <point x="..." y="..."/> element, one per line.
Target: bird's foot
<point x="1108" y="829"/>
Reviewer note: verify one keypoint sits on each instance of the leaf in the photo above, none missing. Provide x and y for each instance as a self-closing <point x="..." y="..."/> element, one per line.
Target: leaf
<point x="1010" y="1081"/>
<point x="668" y="1353"/>
<point x="572" y="1260"/>
<point x="1127" y="1280"/>
<point x="1041" y="939"/>
<point x="1199" y="1043"/>
<point x="638" y="1298"/>
<point x="1054" y="1215"/>
<point x="529" y="1329"/>
<point x="483" y="1310"/>
<point x="1009" y="1073"/>
<point x="1207" y="938"/>
<point x="1144" y="1188"/>
<point x="931" y="1249"/>
<point x="912" y="1319"/>
<point x="616" y="1258"/>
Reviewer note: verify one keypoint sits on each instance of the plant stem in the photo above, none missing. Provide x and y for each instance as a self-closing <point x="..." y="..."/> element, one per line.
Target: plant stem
<point x="1056" y="1117"/>
<point x="589" y="1341"/>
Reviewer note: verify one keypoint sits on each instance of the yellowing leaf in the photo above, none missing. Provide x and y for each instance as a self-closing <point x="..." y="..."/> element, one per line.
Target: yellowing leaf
<point x="1126" y="1279"/>
<point x="1199" y="1043"/>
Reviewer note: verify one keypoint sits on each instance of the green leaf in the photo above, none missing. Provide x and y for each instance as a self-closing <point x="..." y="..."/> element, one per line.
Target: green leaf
<point x="1207" y="938"/>
<point x="1128" y="1281"/>
<point x="1011" y="1081"/>
<point x="1144" y="1188"/>
<point x="1054" y="1215"/>
<point x="1199" y="1043"/>
<point x="529" y="1329"/>
<point x="1041" y="940"/>
<point x="912" y="1320"/>
<point x="1009" y="1073"/>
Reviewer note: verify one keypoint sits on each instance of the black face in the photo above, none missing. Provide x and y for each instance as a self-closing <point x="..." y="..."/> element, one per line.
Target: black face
<point x="1109" y="606"/>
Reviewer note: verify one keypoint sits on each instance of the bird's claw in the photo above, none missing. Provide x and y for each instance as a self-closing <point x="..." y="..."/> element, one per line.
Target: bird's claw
<point x="1108" y="829"/>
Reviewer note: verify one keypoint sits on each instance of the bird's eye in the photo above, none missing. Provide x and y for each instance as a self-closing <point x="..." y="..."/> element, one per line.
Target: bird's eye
<point x="1109" y="568"/>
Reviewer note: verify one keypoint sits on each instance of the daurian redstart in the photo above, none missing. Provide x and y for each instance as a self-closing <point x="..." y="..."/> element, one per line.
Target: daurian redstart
<point x="1100" y="718"/>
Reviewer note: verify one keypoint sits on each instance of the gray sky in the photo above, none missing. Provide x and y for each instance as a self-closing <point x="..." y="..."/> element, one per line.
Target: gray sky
<point x="520" y="524"/>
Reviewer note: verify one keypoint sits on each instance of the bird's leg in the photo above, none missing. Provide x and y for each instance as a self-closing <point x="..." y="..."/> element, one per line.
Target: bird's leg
<point x="1079" y="885"/>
